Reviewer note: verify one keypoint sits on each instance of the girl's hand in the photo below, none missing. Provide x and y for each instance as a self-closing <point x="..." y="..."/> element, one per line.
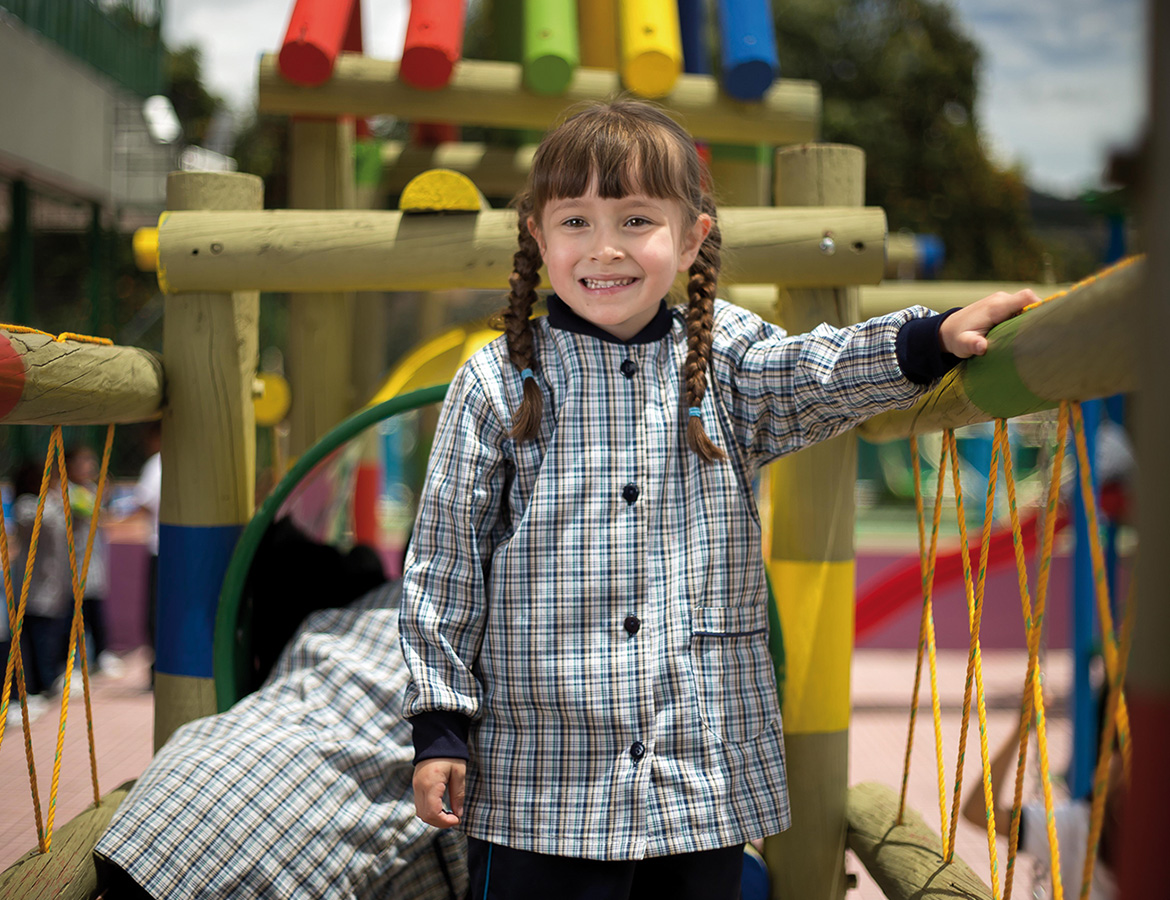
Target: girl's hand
<point x="964" y="333"/>
<point x="432" y="779"/>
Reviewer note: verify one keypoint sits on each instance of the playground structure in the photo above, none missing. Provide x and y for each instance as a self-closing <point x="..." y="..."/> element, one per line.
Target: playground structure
<point x="217" y="249"/>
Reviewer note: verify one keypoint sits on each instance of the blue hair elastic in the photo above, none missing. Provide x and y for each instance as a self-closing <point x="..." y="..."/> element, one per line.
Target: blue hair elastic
<point x="694" y="412"/>
<point x="526" y="374"/>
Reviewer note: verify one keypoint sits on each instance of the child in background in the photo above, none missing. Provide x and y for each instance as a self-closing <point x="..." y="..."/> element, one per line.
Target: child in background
<point x="584" y="608"/>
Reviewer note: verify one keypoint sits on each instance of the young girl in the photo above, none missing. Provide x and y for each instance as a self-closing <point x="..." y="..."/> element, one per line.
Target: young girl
<point x="584" y="608"/>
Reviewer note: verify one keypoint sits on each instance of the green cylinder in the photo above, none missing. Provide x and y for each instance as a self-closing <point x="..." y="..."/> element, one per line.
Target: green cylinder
<point x="551" y="52"/>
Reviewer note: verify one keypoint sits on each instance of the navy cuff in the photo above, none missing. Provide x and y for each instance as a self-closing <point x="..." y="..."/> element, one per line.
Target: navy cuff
<point x="440" y="733"/>
<point x="920" y="352"/>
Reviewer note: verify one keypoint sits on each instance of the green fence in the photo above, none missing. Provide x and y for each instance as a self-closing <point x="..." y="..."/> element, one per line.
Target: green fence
<point x="121" y="40"/>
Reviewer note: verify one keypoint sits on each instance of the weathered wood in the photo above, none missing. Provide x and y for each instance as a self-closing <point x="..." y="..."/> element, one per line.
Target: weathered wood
<point x="811" y="564"/>
<point x="335" y="250"/>
<point x="48" y="382"/>
<point x="891" y="296"/>
<point x="208" y="459"/>
<point x="492" y="94"/>
<point x="905" y="860"/>
<point x="320" y="327"/>
<point x="1074" y="347"/>
<point x="66" y="872"/>
<point x="497" y="171"/>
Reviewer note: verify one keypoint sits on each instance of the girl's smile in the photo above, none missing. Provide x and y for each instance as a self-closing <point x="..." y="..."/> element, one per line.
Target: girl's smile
<point x="612" y="260"/>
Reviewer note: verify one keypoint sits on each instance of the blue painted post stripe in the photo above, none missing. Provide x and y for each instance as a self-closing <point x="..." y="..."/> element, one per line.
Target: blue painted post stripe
<point x="192" y="560"/>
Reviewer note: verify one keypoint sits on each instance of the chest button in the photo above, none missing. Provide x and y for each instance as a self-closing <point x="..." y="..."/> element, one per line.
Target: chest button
<point x="629" y="368"/>
<point x="630" y="493"/>
<point x="637" y="750"/>
<point x="632" y="624"/>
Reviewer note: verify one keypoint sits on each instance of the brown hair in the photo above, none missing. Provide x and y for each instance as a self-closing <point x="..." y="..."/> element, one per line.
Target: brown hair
<point x="629" y="147"/>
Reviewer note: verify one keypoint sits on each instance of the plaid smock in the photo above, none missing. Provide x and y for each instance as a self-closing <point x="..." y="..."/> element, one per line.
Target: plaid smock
<point x="594" y="600"/>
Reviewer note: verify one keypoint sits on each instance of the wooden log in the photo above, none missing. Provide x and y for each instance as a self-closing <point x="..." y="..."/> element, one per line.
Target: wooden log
<point x="811" y="565"/>
<point x="747" y="43"/>
<point x="320" y="327"/>
<point x="331" y="250"/>
<point x="1076" y="347"/>
<point x="317" y="32"/>
<point x="905" y="860"/>
<point x="550" y="53"/>
<point x="492" y="94"/>
<point x="208" y="461"/>
<point x="597" y="33"/>
<point x="67" y="871"/>
<point x="496" y="171"/>
<point x="649" y="46"/>
<point x="433" y="42"/>
<point x="891" y="296"/>
<point x="48" y="382"/>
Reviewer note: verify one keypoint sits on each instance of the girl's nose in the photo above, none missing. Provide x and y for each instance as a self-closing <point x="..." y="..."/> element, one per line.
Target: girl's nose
<point x="606" y="249"/>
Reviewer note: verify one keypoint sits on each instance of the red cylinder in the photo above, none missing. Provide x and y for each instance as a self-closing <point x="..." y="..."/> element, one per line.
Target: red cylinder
<point x="433" y="44"/>
<point x="317" y="32"/>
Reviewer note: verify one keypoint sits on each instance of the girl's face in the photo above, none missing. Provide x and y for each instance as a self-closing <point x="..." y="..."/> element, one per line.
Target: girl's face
<point x="613" y="260"/>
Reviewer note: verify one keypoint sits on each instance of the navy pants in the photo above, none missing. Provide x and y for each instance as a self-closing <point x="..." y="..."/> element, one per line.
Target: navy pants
<point x="501" y="873"/>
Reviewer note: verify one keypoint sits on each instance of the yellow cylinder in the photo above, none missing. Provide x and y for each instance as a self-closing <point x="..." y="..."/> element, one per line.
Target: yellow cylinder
<point x="651" y="46"/>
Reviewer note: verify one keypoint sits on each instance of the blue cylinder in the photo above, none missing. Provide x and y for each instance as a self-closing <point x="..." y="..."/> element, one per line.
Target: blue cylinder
<point x="692" y="22"/>
<point x="747" y="40"/>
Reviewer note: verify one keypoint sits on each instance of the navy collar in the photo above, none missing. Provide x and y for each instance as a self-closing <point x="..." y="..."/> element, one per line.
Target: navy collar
<point x="561" y="316"/>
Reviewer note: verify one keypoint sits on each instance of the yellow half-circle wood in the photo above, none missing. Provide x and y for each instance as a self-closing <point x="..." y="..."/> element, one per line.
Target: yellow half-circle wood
<point x="145" y="247"/>
<point x="435" y="361"/>
<point x="441" y="190"/>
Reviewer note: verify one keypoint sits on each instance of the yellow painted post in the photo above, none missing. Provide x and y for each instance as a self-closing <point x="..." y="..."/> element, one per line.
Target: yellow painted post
<point x="320" y="324"/>
<point x="812" y="568"/>
<point x="208" y="460"/>
<point x="651" y="46"/>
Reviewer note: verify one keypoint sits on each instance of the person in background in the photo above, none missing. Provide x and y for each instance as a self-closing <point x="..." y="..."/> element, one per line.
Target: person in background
<point x="146" y="503"/>
<point x="81" y="468"/>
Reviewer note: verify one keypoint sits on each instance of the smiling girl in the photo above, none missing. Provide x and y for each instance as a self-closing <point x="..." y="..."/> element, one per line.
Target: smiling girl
<point x="584" y="606"/>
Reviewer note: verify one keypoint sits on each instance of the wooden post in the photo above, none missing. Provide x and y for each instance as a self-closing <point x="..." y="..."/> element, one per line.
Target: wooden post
<point x="811" y="564"/>
<point x="209" y="461"/>
<point x="320" y="324"/>
<point x="1148" y="683"/>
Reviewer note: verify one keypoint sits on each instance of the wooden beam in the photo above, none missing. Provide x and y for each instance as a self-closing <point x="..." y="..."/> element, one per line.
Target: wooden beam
<point x="492" y="94"/>
<point x="356" y="250"/>
<point x="48" y="382"/>
<point x="891" y="296"/>
<point x="67" y="871"/>
<point x="905" y="860"/>
<point x="1075" y="347"/>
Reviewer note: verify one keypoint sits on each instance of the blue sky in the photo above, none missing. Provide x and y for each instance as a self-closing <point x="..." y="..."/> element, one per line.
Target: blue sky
<point x="1061" y="86"/>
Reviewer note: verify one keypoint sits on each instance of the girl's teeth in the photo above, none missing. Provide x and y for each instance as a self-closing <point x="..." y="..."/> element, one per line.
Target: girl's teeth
<point x="598" y="285"/>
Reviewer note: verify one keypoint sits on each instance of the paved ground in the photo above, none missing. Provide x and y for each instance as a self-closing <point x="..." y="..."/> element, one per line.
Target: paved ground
<point x="882" y="683"/>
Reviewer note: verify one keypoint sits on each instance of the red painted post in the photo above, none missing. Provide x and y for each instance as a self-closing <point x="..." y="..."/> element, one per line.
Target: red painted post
<point x="433" y="44"/>
<point x="317" y="31"/>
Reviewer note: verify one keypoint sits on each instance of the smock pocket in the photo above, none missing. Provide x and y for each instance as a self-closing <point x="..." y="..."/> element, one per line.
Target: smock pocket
<point x="733" y="671"/>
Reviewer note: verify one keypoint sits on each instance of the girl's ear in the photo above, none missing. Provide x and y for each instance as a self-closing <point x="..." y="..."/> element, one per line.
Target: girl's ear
<point x="534" y="230"/>
<point x="693" y="240"/>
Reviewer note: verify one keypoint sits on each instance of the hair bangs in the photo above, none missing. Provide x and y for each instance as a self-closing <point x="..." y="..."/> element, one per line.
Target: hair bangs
<point x="619" y="152"/>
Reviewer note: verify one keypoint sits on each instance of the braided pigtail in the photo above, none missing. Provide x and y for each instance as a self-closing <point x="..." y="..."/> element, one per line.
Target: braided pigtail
<point x="700" y="319"/>
<point x="517" y="322"/>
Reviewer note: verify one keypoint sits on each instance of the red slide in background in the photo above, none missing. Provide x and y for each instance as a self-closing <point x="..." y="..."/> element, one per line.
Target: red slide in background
<point x="887" y="595"/>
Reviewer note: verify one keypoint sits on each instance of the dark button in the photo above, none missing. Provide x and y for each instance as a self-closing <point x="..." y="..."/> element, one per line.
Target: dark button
<point x="630" y="493"/>
<point x="629" y="368"/>
<point x="632" y="624"/>
<point x="637" y="750"/>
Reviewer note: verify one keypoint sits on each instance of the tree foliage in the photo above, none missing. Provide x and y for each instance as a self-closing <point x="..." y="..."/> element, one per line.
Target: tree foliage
<point x="193" y="104"/>
<point x="899" y="80"/>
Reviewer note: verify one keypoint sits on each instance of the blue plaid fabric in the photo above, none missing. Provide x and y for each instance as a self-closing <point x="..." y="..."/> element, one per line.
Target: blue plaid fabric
<point x="592" y="735"/>
<point x="302" y="789"/>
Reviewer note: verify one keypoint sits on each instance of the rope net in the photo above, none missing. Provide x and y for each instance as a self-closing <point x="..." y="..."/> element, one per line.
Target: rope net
<point x="14" y="675"/>
<point x="1032" y="709"/>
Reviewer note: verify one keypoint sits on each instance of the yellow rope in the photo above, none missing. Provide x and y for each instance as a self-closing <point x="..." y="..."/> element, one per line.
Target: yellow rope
<point x="14" y="670"/>
<point x="926" y="635"/>
<point x="1085" y="282"/>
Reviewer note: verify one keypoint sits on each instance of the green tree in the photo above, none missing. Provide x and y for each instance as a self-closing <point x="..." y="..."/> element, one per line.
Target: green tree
<point x="193" y="104"/>
<point x="898" y="79"/>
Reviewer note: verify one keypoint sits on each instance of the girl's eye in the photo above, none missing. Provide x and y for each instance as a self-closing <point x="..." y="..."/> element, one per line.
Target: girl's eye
<point x="574" y="222"/>
<point x="637" y="221"/>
